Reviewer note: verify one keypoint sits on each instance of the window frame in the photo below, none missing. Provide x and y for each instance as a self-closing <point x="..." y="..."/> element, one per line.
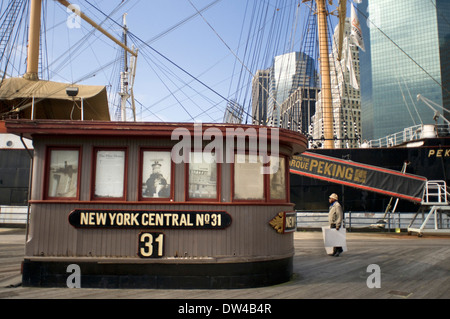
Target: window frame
<point x="48" y="151"/>
<point x="233" y="184"/>
<point x="266" y="183"/>
<point x="95" y="151"/>
<point x="286" y="199"/>
<point x="187" y="183"/>
<point x="142" y="150"/>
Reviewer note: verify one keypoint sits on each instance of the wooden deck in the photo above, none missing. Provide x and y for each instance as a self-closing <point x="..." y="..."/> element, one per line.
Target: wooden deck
<point x="410" y="268"/>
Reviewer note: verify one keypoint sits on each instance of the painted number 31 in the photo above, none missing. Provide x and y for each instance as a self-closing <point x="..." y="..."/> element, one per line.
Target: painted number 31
<point x="151" y="245"/>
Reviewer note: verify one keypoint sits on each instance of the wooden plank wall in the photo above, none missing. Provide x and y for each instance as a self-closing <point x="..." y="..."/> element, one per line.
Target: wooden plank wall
<point x="249" y="236"/>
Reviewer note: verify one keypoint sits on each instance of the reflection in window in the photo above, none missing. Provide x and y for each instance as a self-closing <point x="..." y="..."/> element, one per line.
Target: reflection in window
<point x="202" y="175"/>
<point x="63" y="173"/>
<point x="110" y="173"/>
<point x="156" y="174"/>
<point x="277" y="178"/>
<point x="248" y="178"/>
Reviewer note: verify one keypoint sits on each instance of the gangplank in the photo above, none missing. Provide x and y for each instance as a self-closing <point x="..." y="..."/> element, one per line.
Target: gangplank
<point x="431" y="195"/>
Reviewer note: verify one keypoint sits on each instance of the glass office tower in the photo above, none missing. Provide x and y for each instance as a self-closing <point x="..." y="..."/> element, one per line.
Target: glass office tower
<point x="289" y="72"/>
<point x="407" y="53"/>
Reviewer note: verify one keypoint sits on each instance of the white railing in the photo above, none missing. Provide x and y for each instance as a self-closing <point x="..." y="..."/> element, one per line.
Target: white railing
<point x="13" y="215"/>
<point x="435" y="198"/>
<point x="408" y="134"/>
<point x="435" y="193"/>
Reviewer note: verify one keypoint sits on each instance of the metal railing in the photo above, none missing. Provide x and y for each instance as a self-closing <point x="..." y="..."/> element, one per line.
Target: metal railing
<point x="435" y="193"/>
<point x="364" y="221"/>
<point x="13" y="215"/>
<point x="407" y="135"/>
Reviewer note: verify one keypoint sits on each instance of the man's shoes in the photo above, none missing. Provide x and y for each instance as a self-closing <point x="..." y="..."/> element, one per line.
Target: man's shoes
<point x="338" y="252"/>
<point x="334" y="251"/>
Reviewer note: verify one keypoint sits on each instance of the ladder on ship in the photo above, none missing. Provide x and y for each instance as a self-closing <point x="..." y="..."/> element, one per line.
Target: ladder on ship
<point x="435" y="204"/>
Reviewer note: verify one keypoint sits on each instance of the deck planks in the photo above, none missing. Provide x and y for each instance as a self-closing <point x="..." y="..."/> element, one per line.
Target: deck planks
<point x="411" y="268"/>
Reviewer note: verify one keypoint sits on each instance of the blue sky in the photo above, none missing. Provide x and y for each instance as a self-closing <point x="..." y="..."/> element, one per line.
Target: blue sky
<point x="221" y="48"/>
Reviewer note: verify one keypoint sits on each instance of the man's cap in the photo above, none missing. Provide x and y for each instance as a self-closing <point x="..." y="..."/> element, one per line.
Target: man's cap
<point x="334" y="196"/>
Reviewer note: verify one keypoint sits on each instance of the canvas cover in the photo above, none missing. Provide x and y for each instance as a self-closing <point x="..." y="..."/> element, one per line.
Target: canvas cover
<point x="51" y="100"/>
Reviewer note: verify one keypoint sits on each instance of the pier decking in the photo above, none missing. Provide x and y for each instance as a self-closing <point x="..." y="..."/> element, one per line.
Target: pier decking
<point x="410" y="268"/>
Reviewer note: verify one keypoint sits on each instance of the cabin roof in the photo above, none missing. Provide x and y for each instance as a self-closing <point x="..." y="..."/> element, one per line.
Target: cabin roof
<point x="51" y="100"/>
<point x="33" y="128"/>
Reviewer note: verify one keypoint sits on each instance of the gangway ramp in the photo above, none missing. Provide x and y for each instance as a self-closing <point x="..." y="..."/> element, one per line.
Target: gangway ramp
<point x="431" y="195"/>
<point x="368" y="177"/>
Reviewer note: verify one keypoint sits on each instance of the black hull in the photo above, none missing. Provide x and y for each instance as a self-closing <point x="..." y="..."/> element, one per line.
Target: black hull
<point x="14" y="177"/>
<point x="430" y="160"/>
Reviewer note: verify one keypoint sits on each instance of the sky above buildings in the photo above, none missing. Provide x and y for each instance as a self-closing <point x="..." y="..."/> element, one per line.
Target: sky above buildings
<point x="194" y="55"/>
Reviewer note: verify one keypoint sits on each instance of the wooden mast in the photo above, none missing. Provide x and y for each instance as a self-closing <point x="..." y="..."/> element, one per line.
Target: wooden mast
<point x="33" y="41"/>
<point x="34" y="33"/>
<point x="342" y="12"/>
<point x="327" y="105"/>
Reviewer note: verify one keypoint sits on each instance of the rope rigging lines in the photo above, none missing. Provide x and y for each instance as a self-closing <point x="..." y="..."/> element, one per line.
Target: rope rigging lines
<point x="263" y="30"/>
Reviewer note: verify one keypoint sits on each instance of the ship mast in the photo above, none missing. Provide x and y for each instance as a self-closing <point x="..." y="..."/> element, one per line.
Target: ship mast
<point x="127" y="77"/>
<point x="124" y="75"/>
<point x="35" y="23"/>
<point x="33" y="43"/>
<point x="324" y="60"/>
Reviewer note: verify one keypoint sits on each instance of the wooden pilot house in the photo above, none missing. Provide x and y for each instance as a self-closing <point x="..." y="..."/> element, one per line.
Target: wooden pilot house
<point x="151" y="205"/>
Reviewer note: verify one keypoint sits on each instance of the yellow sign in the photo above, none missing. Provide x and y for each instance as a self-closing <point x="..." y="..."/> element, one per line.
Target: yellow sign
<point x="284" y="222"/>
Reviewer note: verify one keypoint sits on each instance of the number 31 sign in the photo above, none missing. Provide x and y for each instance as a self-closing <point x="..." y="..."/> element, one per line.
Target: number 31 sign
<point x="151" y="245"/>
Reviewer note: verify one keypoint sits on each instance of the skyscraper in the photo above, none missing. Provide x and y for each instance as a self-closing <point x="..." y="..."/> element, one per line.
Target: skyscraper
<point x="289" y="71"/>
<point x="345" y="95"/>
<point x="260" y="94"/>
<point x="407" y="53"/>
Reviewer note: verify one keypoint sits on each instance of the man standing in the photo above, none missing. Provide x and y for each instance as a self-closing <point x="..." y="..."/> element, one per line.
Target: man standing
<point x="335" y="219"/>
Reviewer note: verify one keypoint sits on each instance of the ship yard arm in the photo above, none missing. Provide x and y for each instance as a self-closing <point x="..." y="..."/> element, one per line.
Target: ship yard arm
<point x="95" y="25"/>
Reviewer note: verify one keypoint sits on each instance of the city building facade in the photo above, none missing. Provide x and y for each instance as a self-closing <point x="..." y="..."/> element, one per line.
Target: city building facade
<point x="346" y="97"/>
<point x="260" y="95"/>
<point x="407" y="54"/>
<point x="289" y="72"/>
<point x="284" y="95"/>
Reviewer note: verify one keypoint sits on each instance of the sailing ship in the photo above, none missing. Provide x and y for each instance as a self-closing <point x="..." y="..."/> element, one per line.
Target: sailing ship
<point x="419" y="150"/>
<point x="94" y="205"/>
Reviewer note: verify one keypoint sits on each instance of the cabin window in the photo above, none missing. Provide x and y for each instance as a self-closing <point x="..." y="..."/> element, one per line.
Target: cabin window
<point x="277" y="178"/>
<point x="156" y="175"/>
<point x="109" y="167"/>
<point x="63" y="173"/>
<point x="259" y="180"/>
<point x="248" y="177"/>
<point x="203" y="176"/>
